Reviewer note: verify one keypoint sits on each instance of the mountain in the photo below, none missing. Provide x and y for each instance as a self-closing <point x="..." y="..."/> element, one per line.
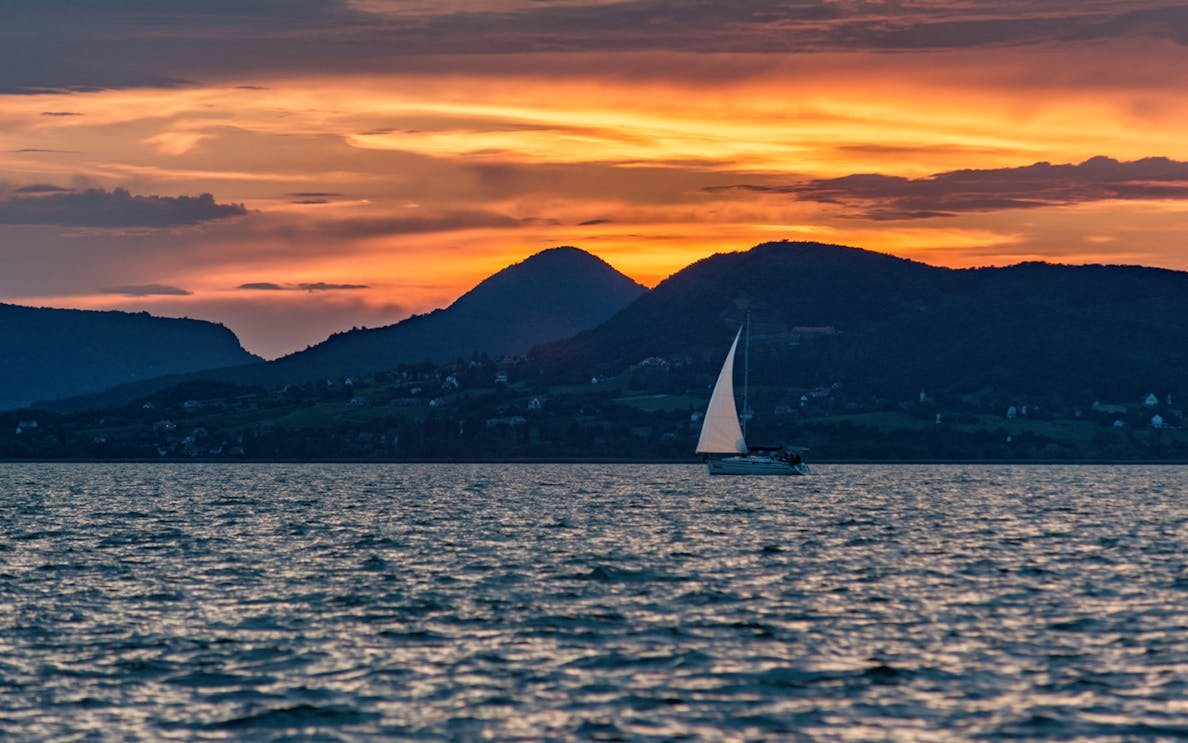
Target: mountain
<point x="546" y="297"/>
<point x="51" y="353"/>
<point x="825" y="313"/>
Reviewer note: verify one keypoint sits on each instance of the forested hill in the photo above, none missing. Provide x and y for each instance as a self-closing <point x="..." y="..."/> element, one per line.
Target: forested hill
<point x="824" y="313"/>
<point x="52" y="353"/>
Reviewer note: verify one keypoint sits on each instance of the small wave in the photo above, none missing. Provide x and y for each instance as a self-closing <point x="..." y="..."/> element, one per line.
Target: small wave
<point x="600" y="730"/>
<point x="301" y="717"/>
<point x="611" y="574"/>
<point x="216" y="679"/>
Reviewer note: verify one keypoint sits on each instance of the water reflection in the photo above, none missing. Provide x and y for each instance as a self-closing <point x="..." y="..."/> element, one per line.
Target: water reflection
<point x="577" y="602"/>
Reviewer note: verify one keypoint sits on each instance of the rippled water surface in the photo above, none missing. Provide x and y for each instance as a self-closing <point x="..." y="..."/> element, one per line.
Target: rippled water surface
<point x="579" y="602"/>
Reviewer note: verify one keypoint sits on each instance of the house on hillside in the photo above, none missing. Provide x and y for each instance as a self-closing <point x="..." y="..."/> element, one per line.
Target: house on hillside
<point x="512" y="421"/>
<point x="1100" y="407"/>
<point x="25" y="426"/>
<point x="1150" y="400"/>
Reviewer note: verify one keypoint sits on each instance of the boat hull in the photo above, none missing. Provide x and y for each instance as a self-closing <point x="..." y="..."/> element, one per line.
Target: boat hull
<point x="752" y="465"/>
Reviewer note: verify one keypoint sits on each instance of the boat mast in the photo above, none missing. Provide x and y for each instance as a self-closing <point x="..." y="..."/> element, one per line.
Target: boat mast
<point x="746" y="377"/>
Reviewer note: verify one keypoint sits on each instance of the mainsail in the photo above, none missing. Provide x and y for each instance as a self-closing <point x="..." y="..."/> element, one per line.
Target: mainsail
<point x="720" y="431"/>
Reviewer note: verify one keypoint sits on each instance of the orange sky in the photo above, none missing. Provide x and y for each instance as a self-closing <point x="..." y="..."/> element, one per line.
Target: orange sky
<point x="368" y="160"/>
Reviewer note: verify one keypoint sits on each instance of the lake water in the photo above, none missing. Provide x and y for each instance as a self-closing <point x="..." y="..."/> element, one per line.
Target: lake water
<point x="592" y="602"/>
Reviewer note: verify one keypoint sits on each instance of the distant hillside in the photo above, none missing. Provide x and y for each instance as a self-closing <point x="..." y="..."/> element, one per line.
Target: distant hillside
<point x="547" y="297"/>
<point x="51" y="353"/>
<point x="825" y="313"/>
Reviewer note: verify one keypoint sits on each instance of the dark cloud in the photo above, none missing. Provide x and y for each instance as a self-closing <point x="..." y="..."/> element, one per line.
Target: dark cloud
<point x="322" y="286"/>
<point x="48" y="45"/>
<point x="147" y="290"/>
<point x="592" y="222"/>
<point x="60" y="113"/>
<point x="263" y="286"/>
<point x="317" y="286"/>
<point x="313" y="197"/>
<point x="117" y="208"/>
<point x="40" y="188"/>
<point x="882" y="197"/>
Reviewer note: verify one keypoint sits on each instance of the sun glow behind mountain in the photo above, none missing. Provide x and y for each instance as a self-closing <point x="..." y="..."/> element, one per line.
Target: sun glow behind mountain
<point x="358" y="186"/>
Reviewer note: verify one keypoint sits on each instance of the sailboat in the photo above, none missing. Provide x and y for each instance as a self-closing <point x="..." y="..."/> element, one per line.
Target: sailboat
<point x="722" y="433"/>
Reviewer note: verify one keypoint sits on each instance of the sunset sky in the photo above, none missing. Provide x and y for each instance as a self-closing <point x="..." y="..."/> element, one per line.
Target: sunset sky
<point x="295" y="168"/>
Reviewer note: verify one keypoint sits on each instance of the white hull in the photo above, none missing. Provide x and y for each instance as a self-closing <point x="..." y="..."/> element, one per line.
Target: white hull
<point x="753" y="465"/>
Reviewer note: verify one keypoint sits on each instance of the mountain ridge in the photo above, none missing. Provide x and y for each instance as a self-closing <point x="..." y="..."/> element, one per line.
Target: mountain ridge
<point x="549" y="295"/>
<point x="881" y="321"/>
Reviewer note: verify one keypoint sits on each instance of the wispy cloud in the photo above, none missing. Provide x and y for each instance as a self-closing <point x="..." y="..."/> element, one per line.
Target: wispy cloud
<point x="322" y="286"/>
<point x="264" y="286"/>
<point x="96" y="207"/>
<point x="147" y="290"/>
<point x="884" y="197"/>
<point x="40" y="188"/>
<point x="316" y="286"/>
<point x="313" y="197"/>
<point x="413" y="225"/>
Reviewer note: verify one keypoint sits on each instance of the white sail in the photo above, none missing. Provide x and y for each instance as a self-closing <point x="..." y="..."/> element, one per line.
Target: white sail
<point x="720" y="431"/>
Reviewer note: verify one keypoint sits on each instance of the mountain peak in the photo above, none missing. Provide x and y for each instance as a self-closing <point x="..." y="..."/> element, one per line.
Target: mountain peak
<point x="552" y="277"/>
<point x="548" y="296"/>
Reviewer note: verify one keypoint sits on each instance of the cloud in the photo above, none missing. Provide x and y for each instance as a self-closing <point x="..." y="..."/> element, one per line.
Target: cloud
<point x="442" y="222"/>
<point x="147" y="290"/>
<point x="41" y="188"/>
<point x="60" y="113"/>
<point x="145" y="43"/>
<point x="321" y="286"/>
<point x="884" y="197"/>
<point x="317" y="286"/>
<point x="313" y="197"/>
<point x="96" y="207"/>
<point x="263" y="286"/>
